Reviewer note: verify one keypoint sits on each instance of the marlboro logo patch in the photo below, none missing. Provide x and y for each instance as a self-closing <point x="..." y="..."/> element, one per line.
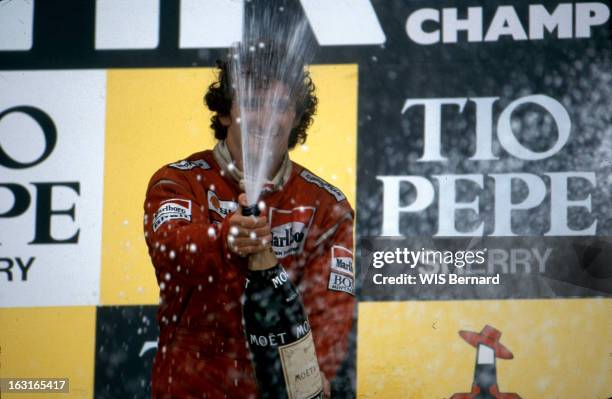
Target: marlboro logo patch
<point x="170" y="210"/>
<point x="342" y="260"/>
<point x="290" y="229"/>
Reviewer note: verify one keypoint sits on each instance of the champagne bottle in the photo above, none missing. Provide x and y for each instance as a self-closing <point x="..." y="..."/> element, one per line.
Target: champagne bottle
<point x="279" y="336"/>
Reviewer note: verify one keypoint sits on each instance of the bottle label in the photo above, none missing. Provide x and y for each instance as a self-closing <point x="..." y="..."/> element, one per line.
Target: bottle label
<point x="301" y="369"/>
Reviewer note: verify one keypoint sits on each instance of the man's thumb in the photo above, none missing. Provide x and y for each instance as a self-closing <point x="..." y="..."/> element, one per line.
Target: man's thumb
<point x="242" y="200"/>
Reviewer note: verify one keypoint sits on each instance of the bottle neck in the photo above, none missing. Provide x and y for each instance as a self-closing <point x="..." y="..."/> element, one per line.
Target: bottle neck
<point x="252" y="210"/>
<point x="273" y="274"/>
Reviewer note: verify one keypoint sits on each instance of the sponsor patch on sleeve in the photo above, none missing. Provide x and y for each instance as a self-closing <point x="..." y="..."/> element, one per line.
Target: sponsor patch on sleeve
<point x="341" y="282"/>
<point x="188" y="165"/>
<point x="342" y="260"/>
<point x="172" y="209"/>
<point x="309" y="177"/>
<point x="222" y="208"/>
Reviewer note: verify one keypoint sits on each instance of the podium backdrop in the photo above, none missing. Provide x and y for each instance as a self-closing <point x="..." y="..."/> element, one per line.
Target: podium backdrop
<point x="456" y="124"/>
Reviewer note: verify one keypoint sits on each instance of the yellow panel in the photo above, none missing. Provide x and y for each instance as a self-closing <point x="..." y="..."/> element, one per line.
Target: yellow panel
<point x="413" y="350"/>
<point x="49" y="342"/>
<point x="153" y="117"/>
<point x="156" y="116"/>
<point x="331" y="148"/>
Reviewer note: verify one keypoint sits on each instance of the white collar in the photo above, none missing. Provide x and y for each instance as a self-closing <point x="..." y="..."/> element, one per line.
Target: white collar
<point x="224" y="159"/>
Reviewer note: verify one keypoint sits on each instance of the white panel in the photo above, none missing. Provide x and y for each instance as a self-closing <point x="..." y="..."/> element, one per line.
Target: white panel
<point x="486" y="355"/>
<point x="343" y="22"/>
<point x="210" y="23"/>
<point x="60" y="274"/>
<point x="16" y="24"/>
<point x="127" y="24"/>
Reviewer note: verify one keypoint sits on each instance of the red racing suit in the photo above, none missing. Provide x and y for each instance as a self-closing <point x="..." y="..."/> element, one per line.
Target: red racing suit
<point x="202" y="349"/>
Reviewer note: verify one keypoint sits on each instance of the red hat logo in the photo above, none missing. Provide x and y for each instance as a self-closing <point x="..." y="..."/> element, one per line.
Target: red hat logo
<point x="488" y="348"/>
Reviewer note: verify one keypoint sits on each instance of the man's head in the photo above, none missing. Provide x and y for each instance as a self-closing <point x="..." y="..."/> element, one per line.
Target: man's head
<point x="292" y="105"/>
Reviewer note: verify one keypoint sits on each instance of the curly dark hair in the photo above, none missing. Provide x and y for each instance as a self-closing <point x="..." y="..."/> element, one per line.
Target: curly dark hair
<point x="220" y="96"/>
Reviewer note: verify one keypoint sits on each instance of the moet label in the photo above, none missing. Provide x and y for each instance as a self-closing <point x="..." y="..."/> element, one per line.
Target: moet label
<point x="300" y="367"/>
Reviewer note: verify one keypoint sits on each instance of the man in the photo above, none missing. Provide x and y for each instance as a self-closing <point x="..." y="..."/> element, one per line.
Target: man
<point x="200" y="243"/>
